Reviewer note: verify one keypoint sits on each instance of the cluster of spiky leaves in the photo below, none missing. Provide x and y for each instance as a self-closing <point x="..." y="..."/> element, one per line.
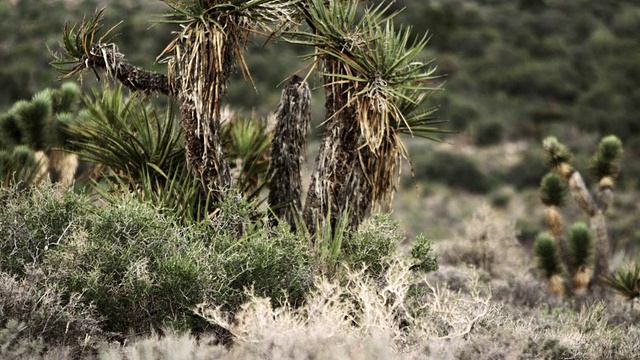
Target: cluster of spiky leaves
<point x="553" y="190"/>
<point x="32" y="128"/>
<point x="556" y="152"/>
<point x="78" y="45"/>
<point x="606" y="161"/>
<point x="137" y="150"/>
<point x="246" y="143"/>
<point x="214" y="33"/>
<point x="385" y="82"/>
<point x="547" y="251"/>
<point x="626" y="281"/>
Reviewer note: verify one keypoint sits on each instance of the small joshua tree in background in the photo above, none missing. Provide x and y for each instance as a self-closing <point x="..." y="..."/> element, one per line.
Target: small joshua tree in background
<point x="33" y="138"/>
<point x="584" y="254"/>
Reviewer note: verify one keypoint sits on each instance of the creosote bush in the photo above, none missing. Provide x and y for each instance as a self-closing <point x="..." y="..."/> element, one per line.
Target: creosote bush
<point x="35" y="220"/>
<point x="139" y="269"/>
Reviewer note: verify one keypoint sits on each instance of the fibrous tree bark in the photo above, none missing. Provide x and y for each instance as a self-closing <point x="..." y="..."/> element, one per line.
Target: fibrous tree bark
<point x="337" y="155"/>
<point x="288" y="149"/>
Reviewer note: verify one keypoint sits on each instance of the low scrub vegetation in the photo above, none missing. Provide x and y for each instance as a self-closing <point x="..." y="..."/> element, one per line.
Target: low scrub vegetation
<point x="125" y="281"/>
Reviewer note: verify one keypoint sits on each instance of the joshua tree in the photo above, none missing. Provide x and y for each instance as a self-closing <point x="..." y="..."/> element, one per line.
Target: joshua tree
<point x="374" y="84"/>
<point x="374" y="87"/>
<point x="201" y="59"/>
<point x="33" y="138"/>
<point x="584" y="254"/>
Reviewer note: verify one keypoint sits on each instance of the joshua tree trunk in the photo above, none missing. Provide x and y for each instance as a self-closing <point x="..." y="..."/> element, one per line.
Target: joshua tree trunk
<point x="200" y="69"/>
<point x="288" y="151"/>
<point x="337" y="157"/>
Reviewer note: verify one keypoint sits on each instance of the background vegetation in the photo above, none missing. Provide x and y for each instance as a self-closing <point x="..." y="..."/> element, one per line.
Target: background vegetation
<point x="515" y="72"/>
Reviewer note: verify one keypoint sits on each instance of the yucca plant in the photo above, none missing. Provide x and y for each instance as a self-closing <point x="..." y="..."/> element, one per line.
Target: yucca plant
<point x="21" y="166"/>
<point x="373" y="81"/>
<point x="246" y="145"/>
<point x="585" y="251"/>
<point x="137" y="150"/>
<point x="200" y="61"/>
<point x="546" y="251"/>
<point x="626" y="281"/>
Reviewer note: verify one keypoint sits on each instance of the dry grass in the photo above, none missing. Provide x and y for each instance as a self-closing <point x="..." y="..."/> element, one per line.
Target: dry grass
<point x="358" y="319"/>
<point x="488" y="242"/>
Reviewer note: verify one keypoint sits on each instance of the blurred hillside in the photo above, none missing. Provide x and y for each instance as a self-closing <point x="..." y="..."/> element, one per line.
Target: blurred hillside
<point x="515" y="70"/>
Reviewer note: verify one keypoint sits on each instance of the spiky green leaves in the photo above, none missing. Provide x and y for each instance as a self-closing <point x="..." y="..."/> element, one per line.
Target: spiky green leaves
<point x="581" y="246"/>
<point x="18" y="166"/>
<point x="37" y="123"/>
<point x="626" y="282"/>
<point x="77" y="43"/>
<point x="246" y="144"/>
<point x="553" y="190"/>
<point x="126" y="136"/>
<point x="379" y="62"/>
<point x="556" y="152"/>
<point x="10" y="132"/>
<point x="606" y="161"/>
<point x="548" y="255"/>
<point x="32" y="117"/>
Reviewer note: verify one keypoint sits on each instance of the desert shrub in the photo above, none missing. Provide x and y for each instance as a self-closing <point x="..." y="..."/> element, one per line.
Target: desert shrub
<point x="453" y="169"/>
<point x="527" y="172"/>
<point x="423" y="256"/>
<point x="372" y="245"/>
<point x="34" y="220"/>
<point x="143" y="271"/>
<point x="488" y="243"/>
<point x="137" y="267"/>
<point x="487" y="133"/>
<point x="36" y="313"/>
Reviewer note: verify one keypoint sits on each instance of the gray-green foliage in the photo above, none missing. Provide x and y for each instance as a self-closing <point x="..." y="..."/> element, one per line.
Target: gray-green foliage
<point x="423" y="255"/>
<point x="142" y="269"/>
<point x="35" y="220"/>
<point x="373" y="245"/>
<point x="37" y="313"/>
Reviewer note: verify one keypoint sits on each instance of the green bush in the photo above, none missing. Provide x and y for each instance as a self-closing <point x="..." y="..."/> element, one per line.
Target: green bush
<point x="453" y="169"/>
<point x="373" y="245"/>
<point x="143" y="271"/>
<point x="422" y="254"/>
<point x="34" y="220"/>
